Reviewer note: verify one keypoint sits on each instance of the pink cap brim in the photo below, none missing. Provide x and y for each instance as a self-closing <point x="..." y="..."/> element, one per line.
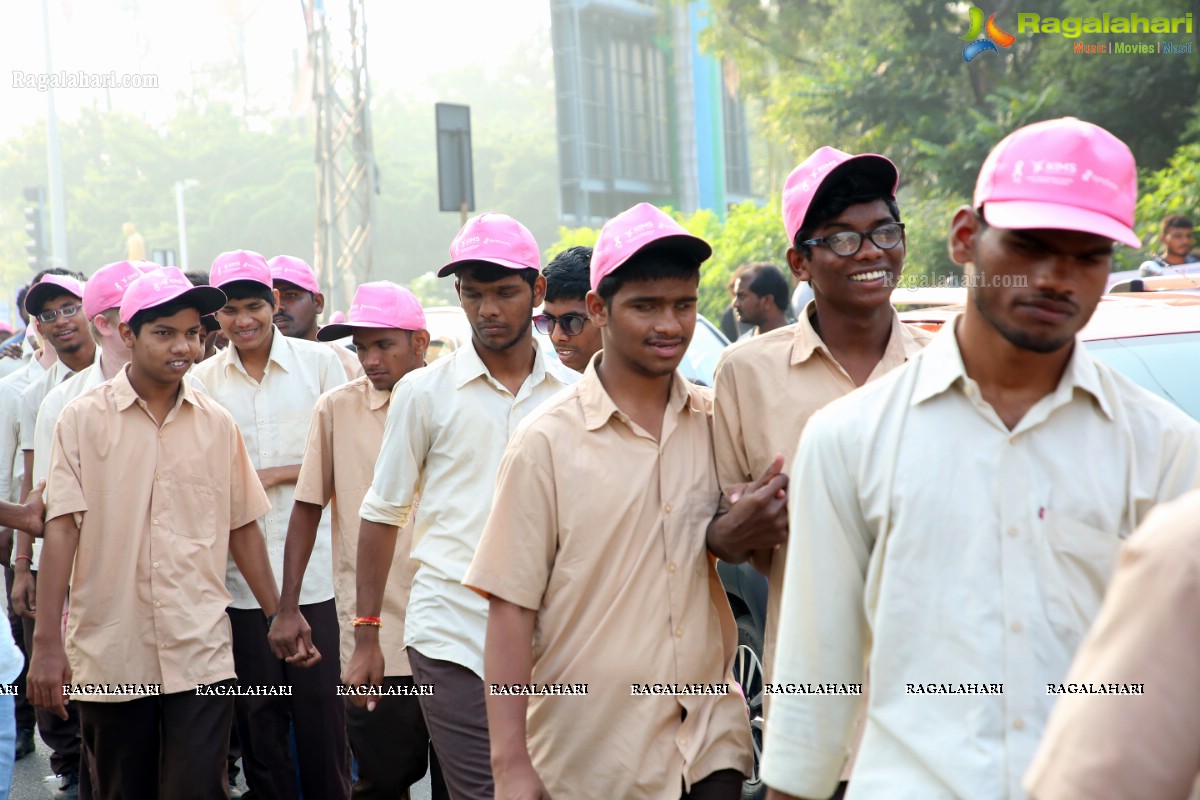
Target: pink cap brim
<point x="340" y="330"/>
<point x="455" y="266"/>
<point x="1031" y="214"/>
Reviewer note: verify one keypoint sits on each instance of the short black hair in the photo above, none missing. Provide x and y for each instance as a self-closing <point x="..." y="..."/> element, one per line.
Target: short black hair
<point x="249" y="290"/>
<point x="1176" y="221"/>
<point x="58" y="271"/>
<point x="768" y="281"/>
<point x="24" y="290"/>
<point x="197" y="277"/>
<point x="487" y="272"/>
<point x="148" y="315"/>
<point x="849" y="191"/>
<point x="650" y="264"/>
<point x="568" y="275"/>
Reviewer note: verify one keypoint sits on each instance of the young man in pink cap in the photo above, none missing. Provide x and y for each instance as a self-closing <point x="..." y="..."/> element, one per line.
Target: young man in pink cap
<point x="963" y="580"/>
<point x="300" y="303"/>
<point x="148" y="605"/>
<point x="445" y="433"/>
<point x="390" y="339"/>
<point x="845" y="239"/>
<point x="614" y="575"/>
<point x="271" y="383"/>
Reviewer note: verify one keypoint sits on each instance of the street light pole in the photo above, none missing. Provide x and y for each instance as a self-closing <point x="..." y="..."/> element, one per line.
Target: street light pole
<point x="180" y="188"/>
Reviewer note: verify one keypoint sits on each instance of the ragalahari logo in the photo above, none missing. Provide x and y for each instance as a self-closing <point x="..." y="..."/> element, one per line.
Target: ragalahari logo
<point x="992" y="36"/>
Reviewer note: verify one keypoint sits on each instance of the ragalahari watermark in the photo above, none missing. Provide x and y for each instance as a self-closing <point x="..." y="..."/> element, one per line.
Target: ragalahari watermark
<point x="82" y="79"/>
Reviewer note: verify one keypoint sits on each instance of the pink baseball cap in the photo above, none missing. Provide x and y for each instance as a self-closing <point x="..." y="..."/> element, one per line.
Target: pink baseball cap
<point x="805" y="182"/>
<point x="48" y="287"/>
<point x="106" y="288"/>
<point x="495" y="238"/>
<point x="634" y="230"/>
<point x="294" y="271"/>
<point x="381" y="304"/>
<point x="164" y="285"/>
<point x="1062" y="174"/>
<point x="240" y="265"/>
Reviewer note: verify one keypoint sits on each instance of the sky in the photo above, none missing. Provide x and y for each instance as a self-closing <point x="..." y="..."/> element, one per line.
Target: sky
<point x="407" y="41"/>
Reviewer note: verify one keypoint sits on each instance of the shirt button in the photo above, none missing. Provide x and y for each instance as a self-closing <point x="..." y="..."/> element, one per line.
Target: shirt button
<point x="1013" y="532"/>
<point x="156" y="477"/>
<point x="161" y="434"/>
<point x="161" y="645"/>
<point x="1018" y="724"/>
<point x="671" y="567"/>
<point x="1017" y="627"/>
<point x="667" y="508"/>
<point x="1014" y="439"/>
<point x="683" y="742"/>
<point x="158" y="603"/>
<point x="679" y="633"/>
<point x="155" y="565"/>
<point x="156" y="520"/>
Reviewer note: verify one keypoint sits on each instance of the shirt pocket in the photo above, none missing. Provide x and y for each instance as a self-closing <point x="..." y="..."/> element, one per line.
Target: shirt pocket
<point x="191" y="507"/>
<point x="1084" y="557"/>
<point x="291" y="437"/>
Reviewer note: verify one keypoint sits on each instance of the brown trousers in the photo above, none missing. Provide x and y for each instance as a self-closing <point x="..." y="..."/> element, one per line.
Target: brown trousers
<point x="456" y="716"/>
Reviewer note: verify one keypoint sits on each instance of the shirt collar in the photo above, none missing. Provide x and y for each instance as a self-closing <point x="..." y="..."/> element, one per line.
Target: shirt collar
<point x="468" y="366"/>
<point x="901" y="346"/>
<point x="282" y="353"/>
<point x="598" y="405"/>
<point x="124" y="395"/>
<point x="941" y="367"/>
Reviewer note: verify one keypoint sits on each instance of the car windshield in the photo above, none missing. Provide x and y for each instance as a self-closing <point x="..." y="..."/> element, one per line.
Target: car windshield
<point x="1157" y="363"/>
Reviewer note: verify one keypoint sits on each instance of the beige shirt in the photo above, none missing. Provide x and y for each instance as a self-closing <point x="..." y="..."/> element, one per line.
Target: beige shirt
<point x="936" y="546"/>
<point x="35" y="393"/>
<point x="446" y="431"/>
<point x="1134" y="746"/>
<point x="339" y="463"/>
<point x="766" y="389"/>
<point x="625" y="591"/>
<point x="349" y="360"/>
<point x="274" y="418"/>
<point x="154" y="507"/>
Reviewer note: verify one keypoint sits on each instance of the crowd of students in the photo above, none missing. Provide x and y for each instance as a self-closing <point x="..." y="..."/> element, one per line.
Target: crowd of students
<point x="351" y="569"/>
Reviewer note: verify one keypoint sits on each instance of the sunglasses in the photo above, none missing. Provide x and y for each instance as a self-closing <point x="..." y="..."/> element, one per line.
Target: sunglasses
<point x="572" y="324"/>
<point x="64" y="312"/>
<point x="847" y="243"/>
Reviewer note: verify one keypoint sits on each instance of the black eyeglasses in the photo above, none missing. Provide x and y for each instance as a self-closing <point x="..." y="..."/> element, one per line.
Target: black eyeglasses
<point x="847" y="243"/>
<point x="64" y="312"/>
<point x="572" y="324"/>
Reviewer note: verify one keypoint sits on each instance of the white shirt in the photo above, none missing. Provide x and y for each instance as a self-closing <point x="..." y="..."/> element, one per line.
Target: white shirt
<point x="446" y="431"/>
<point x="937" y="546"/>
<point x="274" y="416"/>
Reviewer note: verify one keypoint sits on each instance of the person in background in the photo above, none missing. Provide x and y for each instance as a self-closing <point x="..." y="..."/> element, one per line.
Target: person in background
<point x="212" y="339"/>
<point x="1176" y="239"/>
<point x="301" y="303"/>
<point x="729" y="324"/>
<point x="564" y="316"/>
<point x="760" y="299"/>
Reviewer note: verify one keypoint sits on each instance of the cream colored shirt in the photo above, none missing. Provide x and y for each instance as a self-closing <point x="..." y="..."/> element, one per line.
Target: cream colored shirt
<point x="1134" y="746"/>
<point x="766" y="389"/>
<point x="349" y="360"/>
<point x="625" y="590"/>
<point x="274" y="417"/>
<point x="11" y="388"/>
<point x="339" y="463"/>
<point x="154" y="506"/>
<point x="446" y="430"/>
<point x="938" y="547"/>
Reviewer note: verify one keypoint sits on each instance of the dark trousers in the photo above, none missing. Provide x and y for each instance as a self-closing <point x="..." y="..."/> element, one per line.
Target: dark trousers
<point x="22" y="708"/>
<point x="61" y="736"/>
<point x="157" y="747"/>
<point x="314" y="711"/>
<point x="724" y="784"/>
<point x="456" y="716"/>
<point x="392" y="746"/>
